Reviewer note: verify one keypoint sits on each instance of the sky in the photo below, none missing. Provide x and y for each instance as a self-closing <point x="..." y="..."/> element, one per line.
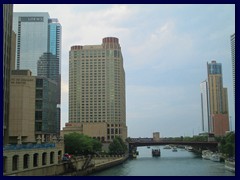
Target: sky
<point x="165" y="50"/>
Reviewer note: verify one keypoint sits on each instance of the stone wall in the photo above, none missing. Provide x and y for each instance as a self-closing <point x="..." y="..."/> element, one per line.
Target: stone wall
<point x="73" y="167"/>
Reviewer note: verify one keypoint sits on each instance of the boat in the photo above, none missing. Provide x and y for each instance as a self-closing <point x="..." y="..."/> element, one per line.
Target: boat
<point x="206" y="154"/>
<point x="215" y="157"/>
<point x="189" y="148"/>
<point x="156" y="152"/>
<point x="167" y="147"/>
<point x="134" y="155"/>
<point x="174" y="149"/>
<point x="148" y="147"/>
<point x="230" y="165"/>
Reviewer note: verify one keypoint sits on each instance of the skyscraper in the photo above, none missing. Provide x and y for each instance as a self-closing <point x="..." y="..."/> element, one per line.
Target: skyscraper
<point x="48" y="67"/>
<point x="97" y="90"/>
<point x="31" y="29"/>
<point x="55" y="47"/>
<point x="206" y="124"/>
<point x="233" y="63"/>
<point x="7" y="40"/>
<point x="217" y="99"/>
<point x="39" y="49"/>
<point x="215" y="87"/>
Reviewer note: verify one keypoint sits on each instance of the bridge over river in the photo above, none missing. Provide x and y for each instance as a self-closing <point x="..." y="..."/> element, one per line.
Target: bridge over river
<point x="199" y="145"/>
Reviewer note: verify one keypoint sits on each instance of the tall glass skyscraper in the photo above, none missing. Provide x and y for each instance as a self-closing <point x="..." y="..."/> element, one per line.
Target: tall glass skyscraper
<point x="31" y="29"/>
<point x="54" y="47"/>
<point x="206" y="123"/>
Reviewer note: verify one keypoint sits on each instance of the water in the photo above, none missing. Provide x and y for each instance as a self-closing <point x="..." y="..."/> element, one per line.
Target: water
<point x="180" y="163"/>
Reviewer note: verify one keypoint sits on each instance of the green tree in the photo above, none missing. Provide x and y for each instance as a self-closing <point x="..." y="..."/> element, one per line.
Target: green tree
<point x="117" y="146"/>
<point x="76" y="143"/>
<point x="227" y="144"/>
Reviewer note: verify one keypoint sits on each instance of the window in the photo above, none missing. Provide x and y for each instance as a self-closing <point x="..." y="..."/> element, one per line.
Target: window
<point x="35" y="160"/>
<point x="38" y="104"/>
<point x="38" y="126"/>
<point x="15" y="162"/>
<point x="25" y="161"/>
<point x="39" y="83"/>
<point x="38" y="115"/>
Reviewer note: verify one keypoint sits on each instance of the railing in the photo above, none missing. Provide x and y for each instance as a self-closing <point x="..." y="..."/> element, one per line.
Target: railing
<point x="28" y="146"/>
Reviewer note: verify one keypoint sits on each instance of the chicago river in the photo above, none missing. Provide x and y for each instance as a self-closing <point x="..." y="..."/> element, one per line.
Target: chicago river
<point x="180" y="163"/>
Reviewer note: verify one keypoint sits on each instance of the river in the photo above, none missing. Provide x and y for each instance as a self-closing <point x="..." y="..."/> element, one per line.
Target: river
<point x="180" y="163"/>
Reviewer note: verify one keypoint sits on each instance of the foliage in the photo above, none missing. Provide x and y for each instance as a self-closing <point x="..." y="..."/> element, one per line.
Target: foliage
<point x="117" y="146"/>
<point x="227" y="144"/>
<point x="76" y="144"/>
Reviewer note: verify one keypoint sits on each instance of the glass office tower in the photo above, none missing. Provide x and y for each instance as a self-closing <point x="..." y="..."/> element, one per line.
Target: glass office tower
<point x="31" y="29"/>
<point x="206" y="124"/>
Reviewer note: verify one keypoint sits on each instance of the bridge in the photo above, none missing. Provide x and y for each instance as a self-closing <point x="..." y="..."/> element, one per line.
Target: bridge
<point x="137" y="142"/>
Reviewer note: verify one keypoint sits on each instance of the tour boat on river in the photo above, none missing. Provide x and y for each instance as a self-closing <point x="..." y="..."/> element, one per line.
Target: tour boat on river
<point x="174" y="149"/>
<point x="206" y="154"/>
<point x="215" y="157"/>
<point x="156" y="152"/>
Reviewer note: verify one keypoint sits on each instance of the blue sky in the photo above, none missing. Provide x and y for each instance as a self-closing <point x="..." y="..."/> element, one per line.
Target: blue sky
<point x="165" y="48"/>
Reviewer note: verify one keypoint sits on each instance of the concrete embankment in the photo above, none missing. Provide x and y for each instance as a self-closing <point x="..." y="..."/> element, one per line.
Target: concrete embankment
<point x="79" y="166"/>
<point x="98" y="164"/>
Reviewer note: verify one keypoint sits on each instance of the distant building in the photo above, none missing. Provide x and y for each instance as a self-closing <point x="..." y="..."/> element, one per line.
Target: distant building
<point x="217" y="99"/>
<point x="220" y="124"/>
<point x="156" y="136"/>
<point x="215" y="87"/>
<point x="7" y="42"/>
<point x="97" y="90"/>
<point x="206" y="123"/>
<point x="233" y="63"/>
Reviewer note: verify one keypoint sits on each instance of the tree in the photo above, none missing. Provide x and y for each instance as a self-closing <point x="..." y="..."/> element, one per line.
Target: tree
<point x="227" y="144"/>
<point x="76" y="143"/>
<point x="117" y="146"/>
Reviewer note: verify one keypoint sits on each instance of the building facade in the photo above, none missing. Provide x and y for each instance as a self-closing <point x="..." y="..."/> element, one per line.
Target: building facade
<point x="33" y="101"/>
<point x="22" y="104"/>
<point x="7" y="39"/>
<point x="97" y="90"/>
<point x="206" y="123"/>
<point x="220" y="124"/>
<point x="233" y="63"/>
<point x="217" y="99"/>
<point x="45" y="112"/>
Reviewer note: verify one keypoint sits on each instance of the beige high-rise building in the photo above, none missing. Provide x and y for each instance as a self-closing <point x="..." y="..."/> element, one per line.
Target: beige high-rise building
<point x="97" y="90"/>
